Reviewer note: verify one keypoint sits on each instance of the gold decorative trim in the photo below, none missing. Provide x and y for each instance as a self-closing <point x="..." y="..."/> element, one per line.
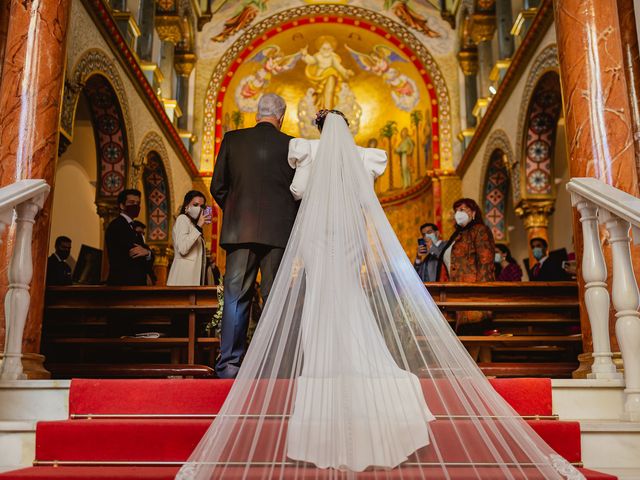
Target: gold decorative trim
<point x="535" y="213"/>
<point x="483" y="26"/>
<point x="184" y="63"/>
<point x="468" y="60"/>
<point x="169" y="28"/>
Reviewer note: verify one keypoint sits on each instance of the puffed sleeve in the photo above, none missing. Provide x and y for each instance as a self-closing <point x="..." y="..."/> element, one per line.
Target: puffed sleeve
<point x="375" y="161"/>
<point x="300" y="159"/>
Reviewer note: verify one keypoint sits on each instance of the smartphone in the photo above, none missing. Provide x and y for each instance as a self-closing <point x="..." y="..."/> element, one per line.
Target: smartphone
<point x="207" y="213"/>
<point x="421" y="242"/>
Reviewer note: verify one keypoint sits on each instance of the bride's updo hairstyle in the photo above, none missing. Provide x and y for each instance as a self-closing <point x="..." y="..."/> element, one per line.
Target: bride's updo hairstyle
<point x="322" y="114"/>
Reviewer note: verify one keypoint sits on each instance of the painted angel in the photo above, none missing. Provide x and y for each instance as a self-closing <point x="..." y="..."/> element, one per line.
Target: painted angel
<point x="272" y="62"/>
<point x="404" y="90"/>
<point x="410" y="17"/>
<point x="248" y="11"/>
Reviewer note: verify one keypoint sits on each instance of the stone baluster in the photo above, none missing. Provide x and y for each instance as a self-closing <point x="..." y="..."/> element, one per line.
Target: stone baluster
<point x="596" y="296"/>
<point x="626" y="301"/>
<point x="17" y="299"/>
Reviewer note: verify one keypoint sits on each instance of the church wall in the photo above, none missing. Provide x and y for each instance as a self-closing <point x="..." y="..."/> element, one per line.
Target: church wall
<point x="74" y="211"/>
<point x="84" y="35"/>
<point x="508" y="121"/>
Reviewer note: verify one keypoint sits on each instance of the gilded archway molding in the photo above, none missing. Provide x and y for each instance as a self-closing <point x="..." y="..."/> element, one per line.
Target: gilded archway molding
<point x="95" y="62"/>
<point x="362" y="14"/>
<point x="545" y="62"/>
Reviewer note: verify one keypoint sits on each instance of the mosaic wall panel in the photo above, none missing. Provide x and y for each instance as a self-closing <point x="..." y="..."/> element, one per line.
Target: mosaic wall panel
<point x="544" y="110"/>
<point x="156" y="189"/>
<point x="111" y="141"/>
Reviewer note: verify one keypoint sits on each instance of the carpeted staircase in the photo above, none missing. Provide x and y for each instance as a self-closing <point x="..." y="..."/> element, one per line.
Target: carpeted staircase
<point x="144" y="429"/>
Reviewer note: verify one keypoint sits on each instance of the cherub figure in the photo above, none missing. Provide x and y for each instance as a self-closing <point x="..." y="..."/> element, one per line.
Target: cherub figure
<point x="404" y="90"/>
<point x="273" y="62"/>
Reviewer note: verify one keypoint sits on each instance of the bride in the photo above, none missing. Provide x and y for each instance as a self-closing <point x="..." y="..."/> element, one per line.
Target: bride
<point x="352" y="367"/>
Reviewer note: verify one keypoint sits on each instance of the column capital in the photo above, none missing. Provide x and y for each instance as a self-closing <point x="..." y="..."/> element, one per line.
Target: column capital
<point x="483" y="26"/>
<point x="468" y="60"/>
<point x="535" y="213"/>
<point x="184" y="63"/>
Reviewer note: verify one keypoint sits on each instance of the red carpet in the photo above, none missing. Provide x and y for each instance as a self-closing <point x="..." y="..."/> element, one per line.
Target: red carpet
<point x="171" y="440"/>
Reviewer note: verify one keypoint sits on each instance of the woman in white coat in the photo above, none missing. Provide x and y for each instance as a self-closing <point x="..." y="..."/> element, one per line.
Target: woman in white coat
<point x="189" y="258"/>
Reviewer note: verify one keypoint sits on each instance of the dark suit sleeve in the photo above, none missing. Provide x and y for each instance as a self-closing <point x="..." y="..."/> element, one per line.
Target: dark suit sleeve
<point x="220" y="179"/>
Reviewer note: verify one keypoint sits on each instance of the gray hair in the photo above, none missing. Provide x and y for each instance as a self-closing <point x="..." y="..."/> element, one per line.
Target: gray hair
<point x="271" y="105"/>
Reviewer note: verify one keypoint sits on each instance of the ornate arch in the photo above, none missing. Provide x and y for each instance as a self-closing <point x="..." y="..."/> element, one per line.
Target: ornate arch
<point x="361" y="17"/>
<point x="153" y="159"/>
<point x="499" y="140"/>
<point x="540" y="108"/>
<point x="110" y="112"/>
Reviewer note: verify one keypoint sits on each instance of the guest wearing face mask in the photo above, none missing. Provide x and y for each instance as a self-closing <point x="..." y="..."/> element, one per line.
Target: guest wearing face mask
<point x="129" y="258"/>
<point x="430" y="246"/>
<point x="190" y="260"/>
<point x="58" y="270"/>
<point x="469" y="257"/>
<point x="507" y="269"/>
<point x="548" y="268"/>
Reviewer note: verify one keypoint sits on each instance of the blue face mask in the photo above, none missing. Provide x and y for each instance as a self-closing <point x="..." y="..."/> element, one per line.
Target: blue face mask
<point x="432" y="237"/>
<point x="538" y="253"/>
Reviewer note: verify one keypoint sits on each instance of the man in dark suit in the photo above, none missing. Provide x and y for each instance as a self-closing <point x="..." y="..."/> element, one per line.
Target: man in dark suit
<point x="251" y="182"/>
<point x="129" y="258"/>
<point x="58" y="270"/>
<point x="548" y="268"/>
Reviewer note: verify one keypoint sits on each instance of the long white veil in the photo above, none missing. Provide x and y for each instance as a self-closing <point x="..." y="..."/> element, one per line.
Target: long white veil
<point x="353" y="368"/>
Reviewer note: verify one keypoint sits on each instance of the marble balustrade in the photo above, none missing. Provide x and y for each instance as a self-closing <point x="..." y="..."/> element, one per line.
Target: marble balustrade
<point x="601" y="204"/>
<point x="22" y="200"/>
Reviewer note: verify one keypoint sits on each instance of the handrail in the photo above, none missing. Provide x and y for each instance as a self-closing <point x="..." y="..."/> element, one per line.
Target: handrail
<point x="26" y="198"/>
<point x="600" y="203"/>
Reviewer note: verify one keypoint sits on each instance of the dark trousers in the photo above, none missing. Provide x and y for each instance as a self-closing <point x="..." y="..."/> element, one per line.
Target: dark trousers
<point x="243" y="263"/>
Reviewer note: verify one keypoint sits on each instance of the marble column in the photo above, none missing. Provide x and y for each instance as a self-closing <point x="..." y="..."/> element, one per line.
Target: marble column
<point x="30" y="99"/>
<point x="146" y="22"/>
<point x="4" y="26"/>
<point x="184" y="62"/>
<point x="468" y="60"/>
<point x="504" y="21"/>
<point x="600" y="134"/>
<point x="626" y="13"/>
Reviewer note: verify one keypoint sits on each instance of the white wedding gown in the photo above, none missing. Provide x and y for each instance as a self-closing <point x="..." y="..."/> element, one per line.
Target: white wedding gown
<point x="352" y="366"/>
<point x="354" y="407"/>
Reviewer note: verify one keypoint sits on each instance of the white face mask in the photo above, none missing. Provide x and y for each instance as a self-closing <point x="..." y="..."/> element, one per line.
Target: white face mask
<point x="194" y="211"/>
<point x="462" y="218"/>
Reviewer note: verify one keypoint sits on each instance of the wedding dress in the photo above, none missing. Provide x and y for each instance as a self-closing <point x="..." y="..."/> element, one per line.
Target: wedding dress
<point x="353" y="371"/>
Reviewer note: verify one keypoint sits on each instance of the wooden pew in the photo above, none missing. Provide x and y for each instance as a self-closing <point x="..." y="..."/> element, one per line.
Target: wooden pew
<point x="539" y="323"/>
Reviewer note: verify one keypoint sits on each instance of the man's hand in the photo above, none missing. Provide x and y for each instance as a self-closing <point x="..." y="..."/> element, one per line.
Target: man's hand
<point x="138" y="251"/>
<point x="421" y="255"/>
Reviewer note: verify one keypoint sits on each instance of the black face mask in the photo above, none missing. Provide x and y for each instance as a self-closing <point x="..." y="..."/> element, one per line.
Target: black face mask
<point x="132" y="211"/>
<point x="63" y="255"/>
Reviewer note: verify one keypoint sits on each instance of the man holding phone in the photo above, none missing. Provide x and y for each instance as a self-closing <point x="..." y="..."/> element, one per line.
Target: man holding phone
<point x="430" y="246"/>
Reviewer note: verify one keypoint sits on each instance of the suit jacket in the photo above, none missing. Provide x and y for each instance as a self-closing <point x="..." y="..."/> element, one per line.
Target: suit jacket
<point x="124" y="270"/>
<point x="58" y="271"/>
<point x="189" y="261"/>
<point x="251" y="182"/>
<point x="428" y="270"/>
<point x="551" y="271"/>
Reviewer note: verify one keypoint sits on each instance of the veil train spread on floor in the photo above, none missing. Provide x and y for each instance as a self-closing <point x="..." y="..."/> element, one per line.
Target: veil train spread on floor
<point x="353" y="368"/>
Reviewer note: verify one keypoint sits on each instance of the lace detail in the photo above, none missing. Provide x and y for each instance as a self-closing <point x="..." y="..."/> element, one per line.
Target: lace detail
<point x="186" y="472"/>
<point x="564" y="468"/>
